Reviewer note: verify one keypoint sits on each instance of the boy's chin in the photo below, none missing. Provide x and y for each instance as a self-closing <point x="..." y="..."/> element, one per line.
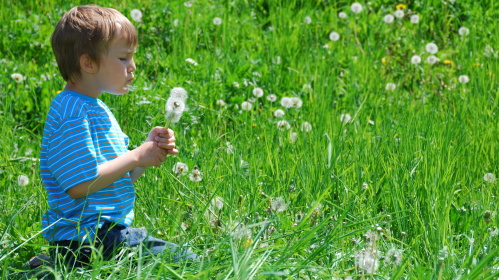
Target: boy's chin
<point x="119" y="92"/>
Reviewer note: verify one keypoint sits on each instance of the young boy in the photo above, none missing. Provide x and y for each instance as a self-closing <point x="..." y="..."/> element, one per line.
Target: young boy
<point x="86" y="167"/>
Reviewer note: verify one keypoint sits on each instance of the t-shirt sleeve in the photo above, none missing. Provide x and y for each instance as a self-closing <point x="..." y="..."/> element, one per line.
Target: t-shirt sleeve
<point x="71" y="154"/>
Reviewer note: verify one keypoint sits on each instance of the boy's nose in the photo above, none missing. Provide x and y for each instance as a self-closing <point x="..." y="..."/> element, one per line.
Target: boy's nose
<point x="131" y="67"/>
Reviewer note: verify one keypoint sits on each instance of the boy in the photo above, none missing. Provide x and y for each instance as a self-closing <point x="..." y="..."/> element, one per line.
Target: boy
<point x="85" y="165"/>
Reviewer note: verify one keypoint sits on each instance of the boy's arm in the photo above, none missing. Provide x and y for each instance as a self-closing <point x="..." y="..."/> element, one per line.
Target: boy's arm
<point x="148" y="154"/>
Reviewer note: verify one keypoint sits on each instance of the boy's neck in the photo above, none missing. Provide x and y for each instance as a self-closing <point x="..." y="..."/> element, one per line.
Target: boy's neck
<point x="81" y="88"/>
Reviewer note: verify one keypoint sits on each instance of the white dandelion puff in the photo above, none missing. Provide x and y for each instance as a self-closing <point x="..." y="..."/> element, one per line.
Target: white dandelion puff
<point x="334" y="36"/>
<point x="307" y="20"/>
<point x="258" y="92"/>
<point x="217" y="21"/>
<point x="415" y="19"/>
<point x="415" y="59"/>
<point x="432" y="48"/>
<point x="293" y="136"/>
<point x="463" y="31"/>
<point x="286" y="102"/>
<point x="393" y="256"/>
<point x="399" y="13"/>
<point x="306" y="127"/>
<point x="390" y="86"/>
<point x="180" y="168"/>
<point x="489" y="178"/>
<point x="174" y="108"/>
<point x="175" y="22"/>
<point x="272" y="97"/>
<point x="463" y="79"/>
<point x="342" y="15"/>
<point x="136" y="15"/>
<point x="283" y="125"/>
<point x="279" y="113"/>
<point x="196" y="175"/>
<point x="367" y="260"/>
<point x="218" y="203"/>
<point x="22" y="180"/>
<point x="191" y="61"/>
<point x="246" y="106"/>
<point x="220" y="103"/>
<point x="296" y="102"/>
<point x="432" y="59"/>
<point x="345" y="118"/>
<point x="356" y="7"/>
<point x="278" y="204"/>
<point x="17" y="77"/>
<point x="388" y="18"/>
<point x="178" y="92"/>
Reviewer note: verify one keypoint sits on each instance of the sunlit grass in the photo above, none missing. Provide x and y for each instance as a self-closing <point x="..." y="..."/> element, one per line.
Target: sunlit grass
<point x="405" y="174"/>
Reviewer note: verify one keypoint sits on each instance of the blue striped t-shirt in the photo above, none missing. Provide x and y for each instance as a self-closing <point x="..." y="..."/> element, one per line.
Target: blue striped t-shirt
<point x="81" y="133"/>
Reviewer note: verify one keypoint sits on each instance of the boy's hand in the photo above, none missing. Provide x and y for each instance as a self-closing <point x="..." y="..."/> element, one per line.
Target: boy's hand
<point x="165" y="139"/>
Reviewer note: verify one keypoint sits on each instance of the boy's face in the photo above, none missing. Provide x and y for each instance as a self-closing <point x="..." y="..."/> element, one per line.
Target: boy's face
<point x="115" y="73"/>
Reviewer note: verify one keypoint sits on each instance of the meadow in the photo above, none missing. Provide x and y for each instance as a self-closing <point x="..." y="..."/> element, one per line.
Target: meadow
<point x="323" y="139"/>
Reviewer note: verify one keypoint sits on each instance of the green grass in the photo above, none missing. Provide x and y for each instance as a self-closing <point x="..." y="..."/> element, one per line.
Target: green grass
<point x="407" y="172"/>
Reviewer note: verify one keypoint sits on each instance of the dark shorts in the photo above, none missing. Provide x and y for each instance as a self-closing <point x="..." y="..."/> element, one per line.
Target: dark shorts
<point x="111" y="238"/>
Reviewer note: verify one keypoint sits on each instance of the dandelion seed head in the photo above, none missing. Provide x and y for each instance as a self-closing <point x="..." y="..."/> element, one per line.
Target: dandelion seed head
<point x="489" y="178"/>
<point x="278" y="204"/>
<point x="399" y="13"/>
<point x="463" y="31"/>
<point x="217" y="21"/>
<point x="342" y="15"/>
<point x="218" y="203"/>
<point x="306" y="127"/>
<point x="175" y="106"/>
<point x="196" y="175"/>
<point x="345" y="118"/>
<point x="180" y="168"/>
<point x="258" y="92"/>
<point x="279" y="113"/>
<point x="136" y="15"/>
<point x="367" y="260"/>
<point x="17" y="77"/>
<point x="356" y="7"/>
<point x="415" y="19"/>
<point x="296" y="102"/>
<point x="286" y="102"/>
<point x="283" y="125"/>
<point x="393" y="256"/>
<point x="221" y="103"/>
<point x="307" y="20"/>
<point x="246" y="106"/>
<point x="178" y="92"/>
<point x="334" y="36"/>
<point x="272" y="97"/>
<point x="463" y="79"/>
<point x="191" y="61"/>
<point x="390" y="86"/>
<point x="432" y="48"/>
<point x="293" y="136"/>
<point x="388" y="18"/>
<point x="22" y="180"/>
<point x="432" y="59"/>
<point x="415" y="59"/>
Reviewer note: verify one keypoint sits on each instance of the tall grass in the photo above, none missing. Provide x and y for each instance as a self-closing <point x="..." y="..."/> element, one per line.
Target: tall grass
<point x="398" y="191"/>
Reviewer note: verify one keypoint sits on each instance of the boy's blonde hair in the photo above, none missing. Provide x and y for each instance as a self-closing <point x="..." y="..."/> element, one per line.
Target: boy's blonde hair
<point x="88" y="30"/>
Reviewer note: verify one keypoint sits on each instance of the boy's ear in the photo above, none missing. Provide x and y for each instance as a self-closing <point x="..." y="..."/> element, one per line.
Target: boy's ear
<point x="87" y="64"/>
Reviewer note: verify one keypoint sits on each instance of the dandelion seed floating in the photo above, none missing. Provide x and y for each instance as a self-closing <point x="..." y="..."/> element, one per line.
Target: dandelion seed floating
<point x="136" y="15"/>
<point x="175" y="105"/>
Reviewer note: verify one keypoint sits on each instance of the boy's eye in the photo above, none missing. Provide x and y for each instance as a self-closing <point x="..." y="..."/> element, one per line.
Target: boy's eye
<point x="123" y="58"/>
